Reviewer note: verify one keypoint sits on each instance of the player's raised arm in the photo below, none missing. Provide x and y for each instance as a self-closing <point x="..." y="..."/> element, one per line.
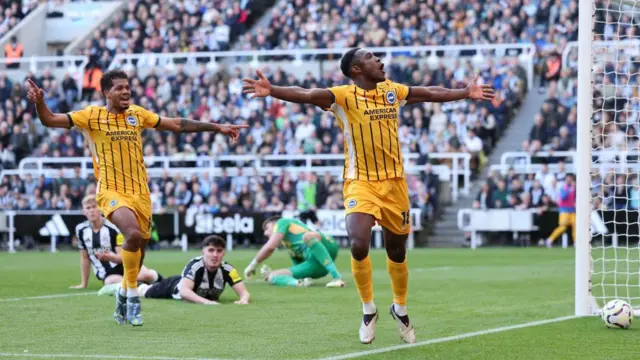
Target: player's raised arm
<point x="189" y="126"/>
<point x="473" y="91"/>
<point x="48" y="118"/>
<point x="261" y="87"/>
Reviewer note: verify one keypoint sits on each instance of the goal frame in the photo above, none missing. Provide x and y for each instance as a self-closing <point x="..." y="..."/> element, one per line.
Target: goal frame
<point x="584" y="302"/>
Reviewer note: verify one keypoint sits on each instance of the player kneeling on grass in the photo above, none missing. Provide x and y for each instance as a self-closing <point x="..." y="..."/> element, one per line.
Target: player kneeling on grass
<point x="312" y="253"/>
<point x="202" y="281"/>
<point x="100" y="244"/>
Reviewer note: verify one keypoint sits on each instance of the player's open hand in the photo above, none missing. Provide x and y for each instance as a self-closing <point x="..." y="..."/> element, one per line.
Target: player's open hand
<point x="241" y="302"/>
<point x="81" y="286"/>
<point x="257" y="88"/>
<point x="249" y="272"/>
<point x="34" y="94"/>
<point x="480" y="92"/>
<point x="232" y="131"/>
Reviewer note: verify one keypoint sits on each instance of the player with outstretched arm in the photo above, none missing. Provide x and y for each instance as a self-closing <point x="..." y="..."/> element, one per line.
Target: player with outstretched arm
<point x="367" y="112"/>
<point x="312" y="253"/>
<point x="114" y="135"/>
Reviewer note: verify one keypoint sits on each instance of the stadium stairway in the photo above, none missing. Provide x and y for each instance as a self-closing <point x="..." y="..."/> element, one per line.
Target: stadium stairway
<point x="445" y="231"/>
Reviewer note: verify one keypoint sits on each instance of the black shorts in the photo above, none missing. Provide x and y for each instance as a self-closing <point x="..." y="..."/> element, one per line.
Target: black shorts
<point x="117" y="270"/>
<point x="164" y="289"/>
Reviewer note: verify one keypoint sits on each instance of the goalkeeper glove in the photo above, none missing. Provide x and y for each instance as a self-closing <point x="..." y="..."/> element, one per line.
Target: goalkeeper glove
<point x="250" y="270"/>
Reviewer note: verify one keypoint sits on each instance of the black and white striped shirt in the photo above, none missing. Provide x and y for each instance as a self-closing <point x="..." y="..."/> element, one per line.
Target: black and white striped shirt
<point x="105" y="239"/>
<point x="209" y="285"/>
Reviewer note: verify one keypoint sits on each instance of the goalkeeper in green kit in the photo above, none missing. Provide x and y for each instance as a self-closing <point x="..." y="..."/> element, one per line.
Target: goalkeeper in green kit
<point x="312" y="254"/>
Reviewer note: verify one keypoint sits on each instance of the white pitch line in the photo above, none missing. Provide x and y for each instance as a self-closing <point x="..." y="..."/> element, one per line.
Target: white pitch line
<point x="93" y="356"/>
<point x="447" y="339"/>
<point x="54" y="296"/>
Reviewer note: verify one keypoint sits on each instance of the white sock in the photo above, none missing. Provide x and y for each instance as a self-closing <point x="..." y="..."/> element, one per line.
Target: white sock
<point x="369" y="308"/>
<point x="154" y="277"/>
<point x="132" y="292"/>
<point x="400" y="309"/>
<point x="142" y="289"/>
<point x="122" y="291"/>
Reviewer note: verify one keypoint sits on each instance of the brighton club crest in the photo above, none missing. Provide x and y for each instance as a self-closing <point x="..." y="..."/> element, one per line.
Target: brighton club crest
<point x="131" y="120"/>
<point x="391" y="97"/>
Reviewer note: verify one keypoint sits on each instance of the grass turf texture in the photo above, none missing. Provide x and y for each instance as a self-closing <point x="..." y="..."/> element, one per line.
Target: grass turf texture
<point x="451" y="292"/>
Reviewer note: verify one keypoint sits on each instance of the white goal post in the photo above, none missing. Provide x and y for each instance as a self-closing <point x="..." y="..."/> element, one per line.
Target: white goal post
<point x="607" y="266"/>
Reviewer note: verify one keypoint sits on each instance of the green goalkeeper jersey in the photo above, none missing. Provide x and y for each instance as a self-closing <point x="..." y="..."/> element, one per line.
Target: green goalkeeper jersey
<point x="293" y="230"/>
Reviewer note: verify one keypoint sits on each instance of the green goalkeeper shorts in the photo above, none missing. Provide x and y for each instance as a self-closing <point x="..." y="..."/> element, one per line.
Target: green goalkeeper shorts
<point x="310" y="267"/>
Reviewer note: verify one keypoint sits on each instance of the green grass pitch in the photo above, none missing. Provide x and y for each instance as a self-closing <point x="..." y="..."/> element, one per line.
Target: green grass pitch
<point x="451" y="292"/>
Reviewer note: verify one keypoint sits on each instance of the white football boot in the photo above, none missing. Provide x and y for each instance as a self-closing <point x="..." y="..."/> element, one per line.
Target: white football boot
<point x="368" y="328"/>
<point x="407" y="332"/>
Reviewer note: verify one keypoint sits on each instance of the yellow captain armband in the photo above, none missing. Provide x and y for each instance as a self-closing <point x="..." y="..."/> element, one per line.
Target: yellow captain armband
<point x="119" y="239"/>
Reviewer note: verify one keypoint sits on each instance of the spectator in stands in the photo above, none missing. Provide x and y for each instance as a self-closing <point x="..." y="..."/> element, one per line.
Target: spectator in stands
<point x="12" y="52"/>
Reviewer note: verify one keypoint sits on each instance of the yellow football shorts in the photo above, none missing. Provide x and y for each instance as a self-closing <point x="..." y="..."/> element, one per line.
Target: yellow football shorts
<point x="567" y="219"/>
<point x="386" y="200"/>
<point x="110" y="201"/>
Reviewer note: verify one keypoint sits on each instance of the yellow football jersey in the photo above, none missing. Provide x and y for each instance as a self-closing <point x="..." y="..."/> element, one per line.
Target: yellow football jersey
<point x="115" y="141"/>
<point x="369" y="120"/>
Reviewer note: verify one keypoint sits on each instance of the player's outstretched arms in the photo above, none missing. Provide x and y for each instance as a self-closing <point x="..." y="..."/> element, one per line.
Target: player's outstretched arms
<point x="264" y="253"/>
<point x="261" y="87"/>
<point x="191" y="126"/>
<point x="35" y="95"/>
<point x="85" y="267"/>
<point x="187" y="293"/>
<point x="242" y="292"/>
<point x="439" y="94"/>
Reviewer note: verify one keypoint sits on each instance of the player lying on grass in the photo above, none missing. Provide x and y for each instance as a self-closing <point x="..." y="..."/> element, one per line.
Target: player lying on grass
<point x="375" y="190"/>
<point x="202" y="281"/>
<point x="100" y="244"/>
<point x="312" y="253"/>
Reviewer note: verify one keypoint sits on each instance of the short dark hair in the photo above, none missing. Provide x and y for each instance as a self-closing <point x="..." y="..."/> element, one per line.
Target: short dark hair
<point x="106" y="82"/>
<point x="273" y="218"/>
<point x="347" y="61"/>
<point x="309" y="215"/>
<point x="215" y="241"/>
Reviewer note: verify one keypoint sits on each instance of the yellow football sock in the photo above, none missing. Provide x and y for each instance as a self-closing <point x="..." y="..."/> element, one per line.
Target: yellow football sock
<point x="362" y="276"/>
<point x="399" y="273"/>
<point x="557" y="232"/>
<point x="131" y="264"/>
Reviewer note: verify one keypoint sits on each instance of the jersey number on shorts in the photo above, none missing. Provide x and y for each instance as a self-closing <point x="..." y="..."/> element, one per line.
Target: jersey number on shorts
<point x="405" y="218"/>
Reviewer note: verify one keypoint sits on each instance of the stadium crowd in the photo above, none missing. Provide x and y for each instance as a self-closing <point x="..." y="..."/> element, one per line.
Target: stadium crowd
<point x="318" y="24"/>
<point x="12" y="11"/>
<point x="168" y="26"/>
<point x="554" y="128"/>
<point x="277" y="128"/>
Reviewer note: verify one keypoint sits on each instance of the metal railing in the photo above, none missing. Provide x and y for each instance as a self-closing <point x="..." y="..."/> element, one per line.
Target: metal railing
<point x="522" y="162"/>
<point x="624" y="48"/>
<point x="250" y="164"/>
<point x="526" y="56"/>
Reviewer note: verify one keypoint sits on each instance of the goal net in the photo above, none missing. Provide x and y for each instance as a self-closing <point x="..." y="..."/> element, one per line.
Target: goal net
<point x="615" y="152"/>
